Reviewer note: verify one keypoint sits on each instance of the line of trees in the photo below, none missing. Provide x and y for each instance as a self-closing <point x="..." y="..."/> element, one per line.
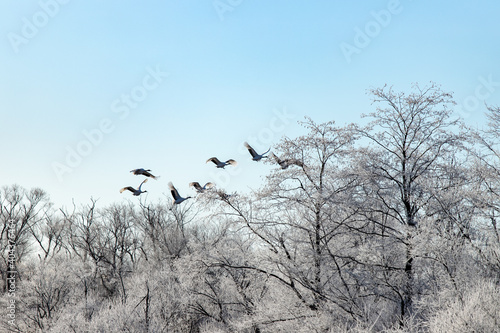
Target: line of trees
<point x="388" y="226"/>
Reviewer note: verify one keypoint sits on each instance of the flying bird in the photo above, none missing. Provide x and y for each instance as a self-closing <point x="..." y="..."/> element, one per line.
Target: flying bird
<point x="177" y="198"/>
<point x="220" y="164"/>
<point x="199" y="188"/>
<point x="256" y="157"/>
<point x="287" y="162"/>
<point x="144" y="172"/>
<point x="133" y="190"/>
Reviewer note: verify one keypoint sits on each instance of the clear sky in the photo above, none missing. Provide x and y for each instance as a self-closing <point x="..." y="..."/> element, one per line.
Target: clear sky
<point x="91" y="89"/>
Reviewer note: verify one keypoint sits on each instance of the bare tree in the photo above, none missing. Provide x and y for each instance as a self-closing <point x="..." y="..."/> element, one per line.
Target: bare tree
<point x="409" y="138"/>
<point x="50" y="235"/>
<point x="486" y="149"/>
<point x="108" y="240"/>
<point x="300" y="218"/>
<point x="82" y="226"/>
<point x="355" y="228"/>
<point x="20" y="212"/>
<point x="163" y="226"/>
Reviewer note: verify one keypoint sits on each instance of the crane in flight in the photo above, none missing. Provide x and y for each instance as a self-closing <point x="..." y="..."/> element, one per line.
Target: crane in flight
<point x="144" y="172"/>
<point x="199" y="188"/>
<point x="220" y="164"/>
<point x="285" y="163"/>
<point x="175" y="194"/>
<point x="256" y="157"/>
<point x="133" y="190"/>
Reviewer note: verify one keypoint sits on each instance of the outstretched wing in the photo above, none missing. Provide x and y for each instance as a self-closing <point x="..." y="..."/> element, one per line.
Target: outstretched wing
<point x="145" y="180"/>
<point x="287" y="162"/>
<point x="209" y="185"/>
<point x="292" y="161"/>
<point x="140" y="171"/>
<point x="196" y="185"/>
<point x="232" y="162"/>
<point x="267" y="151"/>
<point x="214" y="159"/>
<point x="251" y="150"/>
<point x="173" y="191"/>
<point x="130" y="188"/>
<point x="149" y="174"/>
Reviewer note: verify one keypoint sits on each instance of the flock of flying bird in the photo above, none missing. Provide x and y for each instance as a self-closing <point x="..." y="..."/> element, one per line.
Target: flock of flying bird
<point x="284" y="163"/>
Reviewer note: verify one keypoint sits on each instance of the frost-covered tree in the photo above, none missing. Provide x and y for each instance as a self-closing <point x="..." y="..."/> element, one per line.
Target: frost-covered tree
<point x="392" y="226"/>
<point x="409" y="139"/>
<point x="20" y="212"/>
<point x="486" y="198"/>
<point x="299" y="223"/>
<point x="164" y="230"/>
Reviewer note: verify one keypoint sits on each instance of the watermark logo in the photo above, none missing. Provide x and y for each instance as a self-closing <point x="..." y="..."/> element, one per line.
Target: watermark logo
<point x="122" y="107"/>
<point x="11" y="272"/>
<point x="32" y="26"/>
<point x="364" y="36"/>
<point x="482" y="92"/>
<point x="224" y="6"/>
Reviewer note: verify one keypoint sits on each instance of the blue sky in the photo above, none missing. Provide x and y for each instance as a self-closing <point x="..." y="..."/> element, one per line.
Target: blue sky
<point x="167" y="84"/>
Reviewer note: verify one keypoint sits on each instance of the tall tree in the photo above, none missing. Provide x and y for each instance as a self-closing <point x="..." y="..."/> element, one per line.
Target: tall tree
<point x="300" y="218"/>
<point x="487" y="151"/>
<point x="408" y="138"/>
